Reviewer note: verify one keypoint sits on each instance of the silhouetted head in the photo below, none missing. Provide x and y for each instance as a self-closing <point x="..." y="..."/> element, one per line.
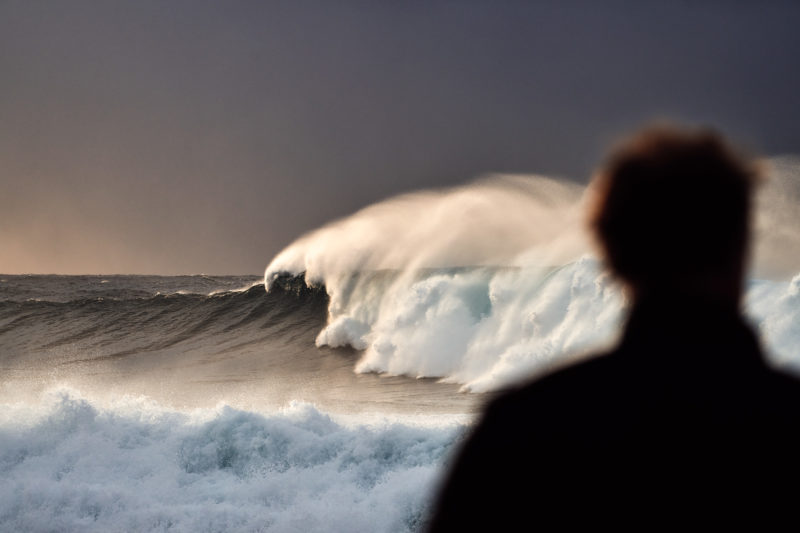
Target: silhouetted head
<point x="673" y="211"/>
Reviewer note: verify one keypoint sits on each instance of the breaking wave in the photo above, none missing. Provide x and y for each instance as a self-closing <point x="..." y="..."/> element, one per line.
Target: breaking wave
<point x="532" y="294"/>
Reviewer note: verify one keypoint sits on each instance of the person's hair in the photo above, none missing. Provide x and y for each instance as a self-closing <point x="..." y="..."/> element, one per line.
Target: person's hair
<point x="674" y="204"/>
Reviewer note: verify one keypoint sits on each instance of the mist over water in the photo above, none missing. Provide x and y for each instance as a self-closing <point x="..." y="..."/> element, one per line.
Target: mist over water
<point x="777" y="242"/>
<point x="495" y="281"/>
<point x="486" y="223"/>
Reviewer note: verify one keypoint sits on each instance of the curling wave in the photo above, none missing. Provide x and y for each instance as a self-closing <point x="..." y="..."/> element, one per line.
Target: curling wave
<point x="400" y="293"/>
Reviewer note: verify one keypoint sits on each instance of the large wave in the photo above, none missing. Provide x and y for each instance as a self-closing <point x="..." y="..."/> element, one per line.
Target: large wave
<point x="495" y="281"/>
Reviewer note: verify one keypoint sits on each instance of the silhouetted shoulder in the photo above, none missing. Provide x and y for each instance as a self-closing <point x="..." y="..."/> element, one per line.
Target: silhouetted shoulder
<point x="557" y="400"/>
<point x="507" y="466"/>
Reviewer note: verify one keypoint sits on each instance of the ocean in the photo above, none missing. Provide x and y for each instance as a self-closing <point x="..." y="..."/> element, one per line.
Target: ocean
<point x="329" y="393"/>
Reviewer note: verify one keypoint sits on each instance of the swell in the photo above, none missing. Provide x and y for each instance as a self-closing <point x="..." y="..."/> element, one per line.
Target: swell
<point x="104" y="327"/>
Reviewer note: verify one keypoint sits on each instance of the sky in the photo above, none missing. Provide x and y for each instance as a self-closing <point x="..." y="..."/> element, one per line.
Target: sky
<point x="187" y="137"/>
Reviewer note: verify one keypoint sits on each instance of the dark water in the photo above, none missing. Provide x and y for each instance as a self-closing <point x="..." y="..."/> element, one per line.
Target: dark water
<point x="192" y="341"/>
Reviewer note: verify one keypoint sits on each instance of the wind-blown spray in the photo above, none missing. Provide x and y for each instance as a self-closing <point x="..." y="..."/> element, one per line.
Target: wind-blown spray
<point x="488" y="283"/>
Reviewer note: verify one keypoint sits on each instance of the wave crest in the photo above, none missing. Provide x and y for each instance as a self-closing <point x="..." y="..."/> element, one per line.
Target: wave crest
<point x="492" y="282"/>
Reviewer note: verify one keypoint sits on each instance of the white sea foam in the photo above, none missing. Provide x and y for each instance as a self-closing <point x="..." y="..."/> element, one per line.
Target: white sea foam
<point x="488" y="326"/>
<point x="774" y="307"/>
<point x="70" y="464"/>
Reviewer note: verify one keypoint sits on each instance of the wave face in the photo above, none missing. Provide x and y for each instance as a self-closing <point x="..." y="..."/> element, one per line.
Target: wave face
<point x="68" y="464"/>
<point x="533" y="297"/>
<point x="97" y="318"/>
<point x="190" y="341"/>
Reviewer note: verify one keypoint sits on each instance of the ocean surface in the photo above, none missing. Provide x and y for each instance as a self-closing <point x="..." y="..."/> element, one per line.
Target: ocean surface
<point x="329" y="393"/>
<point x="139" y="403"/>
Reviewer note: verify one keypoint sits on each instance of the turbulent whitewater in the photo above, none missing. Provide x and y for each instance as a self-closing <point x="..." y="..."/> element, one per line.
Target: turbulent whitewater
<point x="70" y="465"/>
<point x="328" y="394"/>
<point x="533" y="296"/>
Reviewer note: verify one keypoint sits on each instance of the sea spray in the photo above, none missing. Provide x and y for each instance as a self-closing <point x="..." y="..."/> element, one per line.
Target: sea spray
<point x="488" y="223"/>
<point x="494" y="282"/>
<point x="777" y="222"/>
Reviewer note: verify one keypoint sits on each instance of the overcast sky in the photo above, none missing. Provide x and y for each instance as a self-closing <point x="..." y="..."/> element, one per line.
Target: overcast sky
<point x="202" y="137"/>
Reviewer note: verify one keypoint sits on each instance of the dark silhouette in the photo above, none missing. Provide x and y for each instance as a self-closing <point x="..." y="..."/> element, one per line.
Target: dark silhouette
<point x="683" y="424"/>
